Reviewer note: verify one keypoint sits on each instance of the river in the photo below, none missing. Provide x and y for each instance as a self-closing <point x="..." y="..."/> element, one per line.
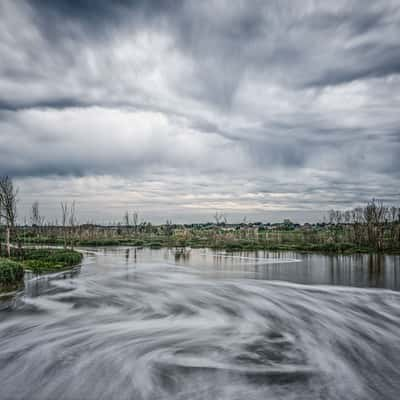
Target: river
<point x="150" y="324"/>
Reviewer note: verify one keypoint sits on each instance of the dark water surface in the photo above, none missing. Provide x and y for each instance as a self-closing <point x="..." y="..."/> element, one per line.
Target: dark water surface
<point x="149" y="324"/>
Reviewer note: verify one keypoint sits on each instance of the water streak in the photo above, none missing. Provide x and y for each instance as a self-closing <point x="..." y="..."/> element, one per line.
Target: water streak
<point x="153" y="329"/>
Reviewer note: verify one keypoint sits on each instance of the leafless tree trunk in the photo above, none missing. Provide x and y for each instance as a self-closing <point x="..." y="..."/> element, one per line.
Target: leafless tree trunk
<point x="220" y="218"/>
<point x="8" y="207"/>
<point x="375" y="214"/>
<point x="64" y="218"/>
<point x="72" y="220"/>
<point x="8" y="241"/>
<point x="37" y="221"/>
<point x="135" y="219"/>
<point x="35" y="217"/>
<point x="126" y="221"/>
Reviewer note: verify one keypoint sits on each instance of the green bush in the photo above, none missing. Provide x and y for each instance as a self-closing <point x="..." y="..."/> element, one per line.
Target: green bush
<point x="10" y="272"/>
<point x="233" y="246"/>
<point x="99" y="242"/>
<point x="65" y="257"/>
<point x="47" y="260"/>
<point x="40" y="266"/>
<point x="155" y="245"/>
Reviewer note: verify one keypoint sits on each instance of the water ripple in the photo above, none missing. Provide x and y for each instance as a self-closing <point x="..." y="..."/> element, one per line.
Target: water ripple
<point x="159" y="331"/>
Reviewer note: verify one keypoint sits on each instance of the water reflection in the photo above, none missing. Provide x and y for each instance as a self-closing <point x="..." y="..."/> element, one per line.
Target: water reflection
<point x="36" y="285"/>
<point x="360" y="270"/>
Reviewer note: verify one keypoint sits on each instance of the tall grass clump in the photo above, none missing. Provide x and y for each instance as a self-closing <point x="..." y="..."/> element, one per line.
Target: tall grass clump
<point x="11" y="272"/>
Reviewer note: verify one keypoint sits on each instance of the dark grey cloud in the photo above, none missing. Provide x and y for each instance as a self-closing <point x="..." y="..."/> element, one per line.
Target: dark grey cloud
<point x="97" y="17"/>
<point x="215" y="104"/>
<point x="57" y="103"/>
<point x="296" y="45"/>
<point x="370" y="61"/>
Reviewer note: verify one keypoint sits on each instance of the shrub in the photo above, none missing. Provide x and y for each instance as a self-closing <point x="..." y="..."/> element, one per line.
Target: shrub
<point x="10" y="272"/>
<point x="155" y="245"/>
<point x="47" y="260"/>
<point x="40" y="266"/>
<point x="65" y="257"/>
<point x="99" y="242"/>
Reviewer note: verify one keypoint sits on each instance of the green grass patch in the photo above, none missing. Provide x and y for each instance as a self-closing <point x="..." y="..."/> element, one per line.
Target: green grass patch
<point x="11" y="272"/>
<point x="155" y="245"/>
<point x="100" y="242"/>
<point x="48" y="260"/>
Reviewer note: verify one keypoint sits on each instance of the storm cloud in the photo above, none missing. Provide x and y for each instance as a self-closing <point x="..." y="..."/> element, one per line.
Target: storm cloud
<point x="186" y="107"/>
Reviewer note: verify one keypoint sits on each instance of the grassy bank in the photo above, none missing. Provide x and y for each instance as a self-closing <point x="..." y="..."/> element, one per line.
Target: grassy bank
<point x="38" y="261"/>
<point x="221" y="243"/>
<point x="374" y="228"/>
<point x="48" y="260"/>
<point x="11" y="272"/>
<point x="338" y="248"/>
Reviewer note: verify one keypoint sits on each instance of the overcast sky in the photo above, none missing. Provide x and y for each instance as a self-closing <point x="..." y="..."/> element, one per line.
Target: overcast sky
<point x="176" y="109"/>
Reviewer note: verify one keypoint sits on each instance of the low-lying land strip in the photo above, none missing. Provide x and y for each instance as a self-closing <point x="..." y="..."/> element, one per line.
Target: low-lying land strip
<point x="38" y="261"/>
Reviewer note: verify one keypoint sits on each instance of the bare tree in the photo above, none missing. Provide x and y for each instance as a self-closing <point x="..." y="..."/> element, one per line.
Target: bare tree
<point x="8" y="207"/>
<point x="36" y="219"/>
<point x="331" y="216"/>
<point x="72" y="221"/>
<point x="126" y="221"/>
<point x="35" y="216"/>
<point x="168" y="228"/>
<point x="375" y="216"/>
<point x="375" y="225"/>
<point x="64" y="218"/>
<point x="135" y="220"/>
<point x="394" y="215"/>
<point x="219" y="218"/>
<point x="347" y="216"/>
<point x="72" y="217"/>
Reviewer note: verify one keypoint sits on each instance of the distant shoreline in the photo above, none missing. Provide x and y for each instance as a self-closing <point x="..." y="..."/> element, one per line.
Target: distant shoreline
<point x="332" y="248"/>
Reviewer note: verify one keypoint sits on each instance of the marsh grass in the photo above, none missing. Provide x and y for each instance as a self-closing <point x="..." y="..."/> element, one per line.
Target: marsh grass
<point x="48" y="260"/>
<point x="11" y="272"/>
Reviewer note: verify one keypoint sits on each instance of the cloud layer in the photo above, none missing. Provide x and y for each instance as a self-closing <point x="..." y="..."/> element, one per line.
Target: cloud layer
<point x="184" y="107"/>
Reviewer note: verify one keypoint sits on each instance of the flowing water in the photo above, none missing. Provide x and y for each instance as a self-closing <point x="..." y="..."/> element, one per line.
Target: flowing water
<point x="142" y="324"/>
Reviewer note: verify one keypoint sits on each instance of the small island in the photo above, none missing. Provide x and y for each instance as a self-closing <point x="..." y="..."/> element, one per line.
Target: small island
<point x="37" y="261"/>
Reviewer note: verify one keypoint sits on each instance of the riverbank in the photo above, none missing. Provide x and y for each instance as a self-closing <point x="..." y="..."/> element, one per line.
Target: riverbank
<point x="157" y="242"/>
<point x="38" y="261"/>
<point x="11" y="273"/>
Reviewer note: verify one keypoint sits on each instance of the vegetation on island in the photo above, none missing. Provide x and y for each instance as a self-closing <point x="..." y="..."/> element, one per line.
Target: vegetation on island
<point x="11" y="272"/>
<point x="35" y="260"/>
<point x="42" y="260"/>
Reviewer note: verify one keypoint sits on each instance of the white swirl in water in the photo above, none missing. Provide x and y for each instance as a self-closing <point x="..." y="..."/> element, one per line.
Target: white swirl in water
<point x="153" y="331"/>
